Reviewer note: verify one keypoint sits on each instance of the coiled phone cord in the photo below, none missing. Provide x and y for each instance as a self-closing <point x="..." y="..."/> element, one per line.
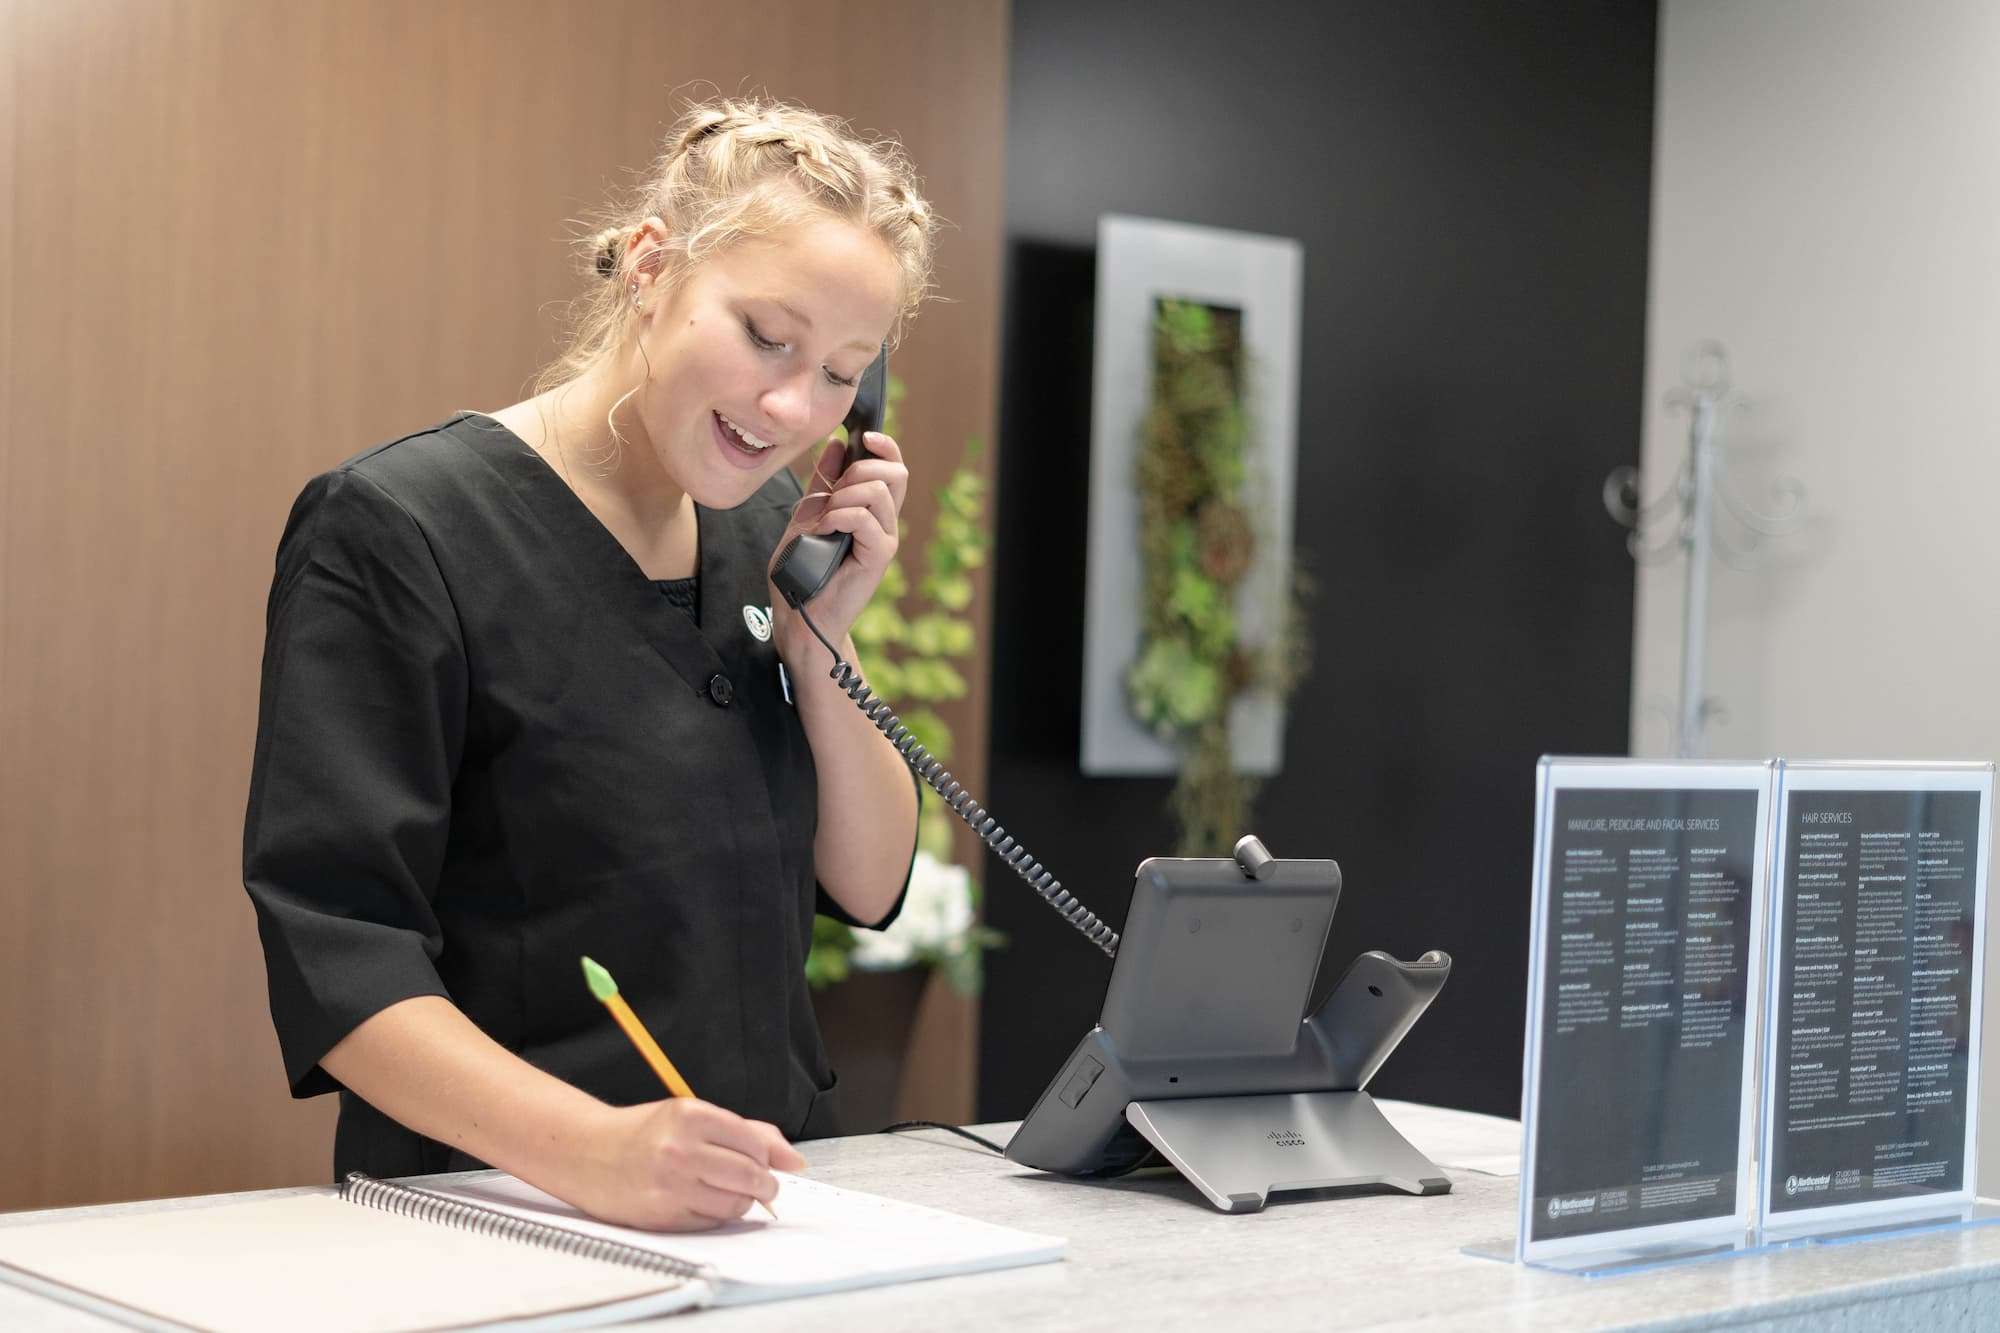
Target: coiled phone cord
<point x="961" y="802"/>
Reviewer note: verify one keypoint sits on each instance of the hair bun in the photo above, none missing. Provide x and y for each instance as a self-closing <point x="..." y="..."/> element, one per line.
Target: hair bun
<point x="607" y="251"/>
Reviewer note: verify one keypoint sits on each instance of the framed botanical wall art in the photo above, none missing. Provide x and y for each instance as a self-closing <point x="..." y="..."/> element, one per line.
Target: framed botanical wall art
<point x="1194" y="413"/>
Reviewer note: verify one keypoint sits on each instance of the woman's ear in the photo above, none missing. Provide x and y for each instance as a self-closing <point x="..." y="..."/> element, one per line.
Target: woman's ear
<point x="646" y="250"/>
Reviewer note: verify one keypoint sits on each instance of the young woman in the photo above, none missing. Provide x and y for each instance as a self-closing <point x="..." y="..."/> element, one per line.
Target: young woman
<point x="528" y="695"/>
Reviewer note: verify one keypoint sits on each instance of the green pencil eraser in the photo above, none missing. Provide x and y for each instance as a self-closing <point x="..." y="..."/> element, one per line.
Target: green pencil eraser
<point x="601" y="984"/>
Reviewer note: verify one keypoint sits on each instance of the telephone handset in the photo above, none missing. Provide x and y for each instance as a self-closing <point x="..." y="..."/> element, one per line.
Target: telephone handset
<point x="809" y="559"/>
<point x="802" y="570"/>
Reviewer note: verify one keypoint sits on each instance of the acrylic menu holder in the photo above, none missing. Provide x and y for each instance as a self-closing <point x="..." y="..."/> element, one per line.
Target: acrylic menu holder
<point x="1644" y="982"/>
<point x="1871" y="1059"/>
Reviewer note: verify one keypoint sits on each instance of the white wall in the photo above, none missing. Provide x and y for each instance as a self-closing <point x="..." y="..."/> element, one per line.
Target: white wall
<point x="1826" y="202"/>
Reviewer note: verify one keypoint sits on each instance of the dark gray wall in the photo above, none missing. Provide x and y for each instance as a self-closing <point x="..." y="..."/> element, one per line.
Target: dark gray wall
<point x="1470" y="182"/>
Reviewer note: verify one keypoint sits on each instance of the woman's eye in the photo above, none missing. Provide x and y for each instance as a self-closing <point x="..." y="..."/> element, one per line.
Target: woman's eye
<point x="764" y="344"/>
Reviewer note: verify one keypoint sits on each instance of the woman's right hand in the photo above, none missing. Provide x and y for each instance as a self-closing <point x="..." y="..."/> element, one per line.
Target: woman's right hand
<point x="681" y="1165"/>
<point x="678" y="1165"/>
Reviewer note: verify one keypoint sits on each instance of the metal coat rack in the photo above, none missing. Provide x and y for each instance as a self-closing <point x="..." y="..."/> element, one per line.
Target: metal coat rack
<point x="1682" y="520"/>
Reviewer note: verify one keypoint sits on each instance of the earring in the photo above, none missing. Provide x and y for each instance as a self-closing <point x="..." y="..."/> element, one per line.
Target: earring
<point x="636" y="303"/>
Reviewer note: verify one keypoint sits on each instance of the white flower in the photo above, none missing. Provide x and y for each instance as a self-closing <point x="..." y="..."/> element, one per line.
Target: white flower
<point x="935" y="917"/>
<point x="880" y="950"/>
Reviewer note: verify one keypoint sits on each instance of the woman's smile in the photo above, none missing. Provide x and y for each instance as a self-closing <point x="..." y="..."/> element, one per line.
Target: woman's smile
<point x="741" y="448"/>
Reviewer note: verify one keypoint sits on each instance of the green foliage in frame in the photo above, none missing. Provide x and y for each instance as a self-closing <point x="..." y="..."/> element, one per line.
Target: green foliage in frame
<point x="1197" y="539"/>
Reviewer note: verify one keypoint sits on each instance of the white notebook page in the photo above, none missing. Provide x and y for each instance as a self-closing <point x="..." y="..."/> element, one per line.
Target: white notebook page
<point x="825" y="1239"/>
<point x="315" y="1264"/>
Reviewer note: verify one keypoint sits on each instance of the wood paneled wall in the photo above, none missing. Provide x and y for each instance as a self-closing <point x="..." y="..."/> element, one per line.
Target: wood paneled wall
<point x="244" y="241"/>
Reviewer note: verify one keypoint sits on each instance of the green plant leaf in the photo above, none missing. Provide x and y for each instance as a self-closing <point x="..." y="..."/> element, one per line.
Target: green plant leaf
<point x="939" y="635"/>
<point x="827" y="961"/>
<point x="953" y="594"/>
<point x="1194" y="598"/>
<point x="1215" y="636"/>
<point x="956" y="635"/>
<point x="932" y="679"/>
<point x="879" y="623"/>
<point x="918" y="681"/>
<point x="936" y="827"/>
<point x="1193" y="696"/>
<point x="892" y="401"/>
<point x="961" y="498"/>
<point x="964" y="971"/>
<point x="1186" y="327"/>
<point x="885" y="677"/>
<point x="924" y="637"/>
<point x="931" y="731"/>
<point x="1154" y="683"/>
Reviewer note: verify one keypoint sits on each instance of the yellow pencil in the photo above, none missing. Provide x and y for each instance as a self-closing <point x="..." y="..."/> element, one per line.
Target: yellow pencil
<point x="605" y="989"/>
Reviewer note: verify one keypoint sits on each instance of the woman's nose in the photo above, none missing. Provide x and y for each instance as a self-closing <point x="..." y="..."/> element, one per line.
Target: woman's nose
<point x="788" y="405"/>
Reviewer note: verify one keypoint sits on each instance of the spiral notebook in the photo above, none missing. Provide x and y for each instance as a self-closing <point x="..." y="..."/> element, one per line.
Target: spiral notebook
<point x="494" y="1252"/>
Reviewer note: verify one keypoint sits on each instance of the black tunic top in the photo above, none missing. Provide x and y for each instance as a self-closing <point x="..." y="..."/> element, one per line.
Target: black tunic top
<point x="487" y="746"/>
<point x="684" y="593"/>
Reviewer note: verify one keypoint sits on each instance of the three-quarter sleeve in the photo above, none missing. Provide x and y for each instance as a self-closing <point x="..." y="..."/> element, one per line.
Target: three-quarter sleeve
<point x="824" y="904"/>
<point x="361" y="724"/>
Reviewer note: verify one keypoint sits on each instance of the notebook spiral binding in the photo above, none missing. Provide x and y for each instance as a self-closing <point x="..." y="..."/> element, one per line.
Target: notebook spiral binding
<point x="411" y="1201"/>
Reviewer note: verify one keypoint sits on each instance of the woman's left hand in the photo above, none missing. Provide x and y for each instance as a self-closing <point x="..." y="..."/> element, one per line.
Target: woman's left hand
<point x="863" y="501"/>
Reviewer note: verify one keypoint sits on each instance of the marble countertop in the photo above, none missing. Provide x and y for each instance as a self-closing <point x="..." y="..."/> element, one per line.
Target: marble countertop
<point x="1148" y="1252"/>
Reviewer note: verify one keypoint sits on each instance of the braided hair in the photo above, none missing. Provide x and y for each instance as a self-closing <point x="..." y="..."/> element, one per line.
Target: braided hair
<point x="736" y="169"/>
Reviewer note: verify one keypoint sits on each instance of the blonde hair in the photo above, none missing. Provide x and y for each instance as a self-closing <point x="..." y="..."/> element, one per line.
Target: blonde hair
<point x="737" y="169"/>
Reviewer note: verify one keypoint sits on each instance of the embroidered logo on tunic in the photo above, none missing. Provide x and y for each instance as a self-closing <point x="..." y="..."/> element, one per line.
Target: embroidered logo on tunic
<point x="759" y="620"/>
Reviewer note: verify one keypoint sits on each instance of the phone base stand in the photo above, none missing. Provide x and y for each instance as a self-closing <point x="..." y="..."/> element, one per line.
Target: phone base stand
<point x="1204" y="1053"/>
<point x="1241" y="1150"/>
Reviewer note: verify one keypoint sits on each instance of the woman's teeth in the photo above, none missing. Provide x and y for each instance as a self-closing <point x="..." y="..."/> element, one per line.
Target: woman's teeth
<point x="749" y="441"/>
